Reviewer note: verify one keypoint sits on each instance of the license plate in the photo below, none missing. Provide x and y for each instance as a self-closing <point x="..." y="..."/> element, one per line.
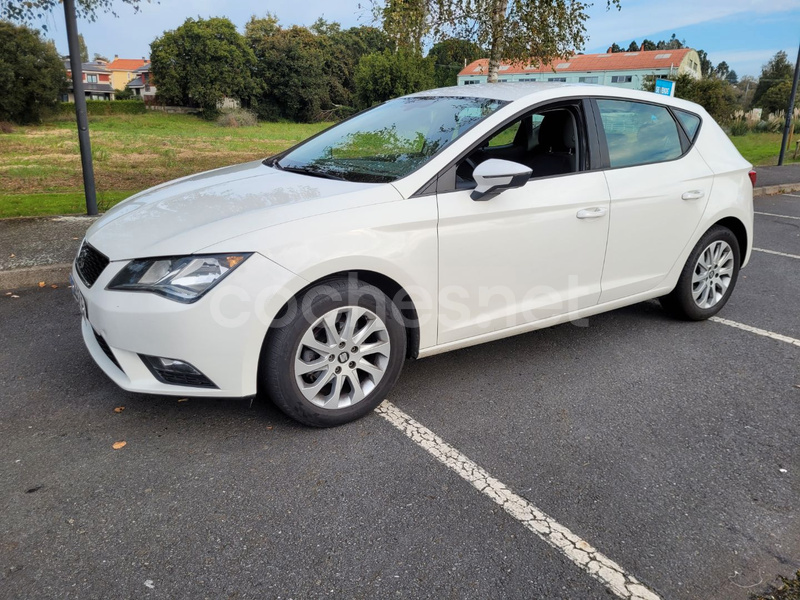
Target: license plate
<point x="79" y="299"/>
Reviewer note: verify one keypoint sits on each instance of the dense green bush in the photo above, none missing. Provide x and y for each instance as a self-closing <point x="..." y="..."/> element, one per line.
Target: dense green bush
<point x="107" y="107"/>
<point x="384" y="75"/>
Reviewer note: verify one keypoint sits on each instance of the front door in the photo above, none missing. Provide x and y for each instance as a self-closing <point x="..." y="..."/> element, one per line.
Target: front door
<point x="527" y="253"/>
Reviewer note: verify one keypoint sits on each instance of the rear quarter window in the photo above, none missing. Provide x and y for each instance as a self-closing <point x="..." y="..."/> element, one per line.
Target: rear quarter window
<point x="690" y="122"/>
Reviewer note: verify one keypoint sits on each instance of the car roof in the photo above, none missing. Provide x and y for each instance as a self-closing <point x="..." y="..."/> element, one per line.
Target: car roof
<point x="511" y="92"/>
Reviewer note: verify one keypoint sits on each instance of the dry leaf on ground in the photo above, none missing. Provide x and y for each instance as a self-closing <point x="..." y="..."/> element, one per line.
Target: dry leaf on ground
<point x="119" y="409"/>
<point x="183" y="400"/>
<point x="118" y="445"/>
<point x="54" y="286"/>
<point x="42" y="284"/>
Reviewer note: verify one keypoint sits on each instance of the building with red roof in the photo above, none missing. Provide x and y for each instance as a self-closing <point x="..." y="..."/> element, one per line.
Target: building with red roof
<point x="624" y="69"/>
<point x="123" y="70"/>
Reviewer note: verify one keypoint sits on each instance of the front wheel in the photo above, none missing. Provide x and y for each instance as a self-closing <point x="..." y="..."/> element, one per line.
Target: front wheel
<point x="708" y="278"/>
<point x="335" y="355"/>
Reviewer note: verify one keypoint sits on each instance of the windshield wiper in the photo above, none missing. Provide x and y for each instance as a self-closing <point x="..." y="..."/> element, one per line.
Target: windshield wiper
<point x="307" y="171"/>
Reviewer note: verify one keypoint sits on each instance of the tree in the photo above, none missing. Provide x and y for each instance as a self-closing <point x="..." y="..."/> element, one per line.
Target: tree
<point x="732" y="77"/>
<point x="722" y="70"/>
<point x="384" y="75"/>
<point x="777" y="70"/>
<point x="633" y="47"/>
<point x="83" y="48"/>
<point x="26" y="11"/>
<point x="291" y="65"/>
<point x="31" y="74"/>
<point x="100" y="57"/>
<point x="537" y="31"/>
<point x="449" y="57"/>
<point x="717" y="96"/>
<point x="201" y="62"/>
<point x="648" y="45"/>
<point x="615" y="47"/>
<point x="776" y="98"/>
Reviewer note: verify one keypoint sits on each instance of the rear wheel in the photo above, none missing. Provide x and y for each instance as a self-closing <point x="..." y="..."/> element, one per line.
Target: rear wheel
<point x="336" y="353"/>
<point x="708" y="278"/>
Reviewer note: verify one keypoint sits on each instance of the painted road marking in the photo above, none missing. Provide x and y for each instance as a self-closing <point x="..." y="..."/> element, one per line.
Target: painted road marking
<point x="776" y="253"/>
<point x="780" y="216"/>
<point x="792" y="195"/>
<point x="757" y="331"/>
<point x="580" y="552"/>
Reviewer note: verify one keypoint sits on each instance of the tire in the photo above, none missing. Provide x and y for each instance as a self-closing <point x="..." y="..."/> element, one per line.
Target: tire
<point x="708" y="277"/>
<point x="333" y="355"/>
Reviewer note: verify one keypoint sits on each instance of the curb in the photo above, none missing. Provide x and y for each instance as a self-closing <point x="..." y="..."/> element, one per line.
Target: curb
<point x="31" y="276"/>
<point x="773" y="190"/>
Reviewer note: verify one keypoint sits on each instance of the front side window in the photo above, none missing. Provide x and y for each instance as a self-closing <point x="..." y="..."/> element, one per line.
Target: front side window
<point x="389" y="141"/>
<point x="638" y="133"/>
<point x="548" y="140"/>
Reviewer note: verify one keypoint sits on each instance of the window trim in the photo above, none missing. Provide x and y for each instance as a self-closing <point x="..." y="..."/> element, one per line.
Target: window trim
<point x="686" y="143"/>
<point x="444" y="181"/>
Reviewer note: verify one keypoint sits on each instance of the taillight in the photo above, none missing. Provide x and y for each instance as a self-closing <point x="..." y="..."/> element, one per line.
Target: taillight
<point x="753" y="175"/>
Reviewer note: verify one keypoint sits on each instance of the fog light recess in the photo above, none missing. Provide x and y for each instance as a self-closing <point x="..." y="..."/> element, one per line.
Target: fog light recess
<point x="176" y="372"/>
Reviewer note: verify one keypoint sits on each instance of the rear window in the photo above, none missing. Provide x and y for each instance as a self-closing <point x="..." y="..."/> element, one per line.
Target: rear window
<point x="690" y="122"/>
<point x="638" y="133"/>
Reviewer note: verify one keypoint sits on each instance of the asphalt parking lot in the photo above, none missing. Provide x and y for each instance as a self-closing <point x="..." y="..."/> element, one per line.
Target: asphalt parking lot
<point x="669" y="447"/>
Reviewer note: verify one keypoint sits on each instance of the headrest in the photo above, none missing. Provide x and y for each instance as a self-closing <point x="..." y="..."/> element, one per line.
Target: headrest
<point x="557" y="131"/>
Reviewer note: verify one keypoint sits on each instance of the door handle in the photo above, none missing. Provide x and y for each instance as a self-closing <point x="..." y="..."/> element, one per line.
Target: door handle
<point x="693" y="195"/>
<point x="591" y="213"/>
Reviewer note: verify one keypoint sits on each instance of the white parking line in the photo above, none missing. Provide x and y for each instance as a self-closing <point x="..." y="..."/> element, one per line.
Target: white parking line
<point x="776" y="253"/>
<point x="780" y="216"/>
<point x="757" y="331"/>
<point x="599" y="566"/>
<point x="792" y="195"/>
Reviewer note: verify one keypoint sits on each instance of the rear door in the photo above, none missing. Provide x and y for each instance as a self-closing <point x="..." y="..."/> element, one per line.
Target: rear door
<point x="659" y="186"/>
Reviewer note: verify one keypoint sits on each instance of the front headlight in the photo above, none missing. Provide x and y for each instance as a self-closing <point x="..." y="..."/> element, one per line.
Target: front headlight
<point x="180" y="278"/>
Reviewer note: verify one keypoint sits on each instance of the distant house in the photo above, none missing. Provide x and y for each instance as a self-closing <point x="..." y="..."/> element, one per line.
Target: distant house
<point x="623" y="69"/>
<point x="123" y="70"/>
<point x="96" y="82"/>
<point x="142" y="83"/>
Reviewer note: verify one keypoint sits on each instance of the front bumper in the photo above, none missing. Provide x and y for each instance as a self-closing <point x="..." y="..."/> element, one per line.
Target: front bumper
<point x="221" y="334"/>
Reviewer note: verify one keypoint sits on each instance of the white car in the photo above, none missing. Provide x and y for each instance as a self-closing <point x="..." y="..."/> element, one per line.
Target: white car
<point x="429" y="223"/>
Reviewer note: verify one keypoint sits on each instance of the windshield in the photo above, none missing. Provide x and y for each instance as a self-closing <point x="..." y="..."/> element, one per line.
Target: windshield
<point x="389" y="141"/>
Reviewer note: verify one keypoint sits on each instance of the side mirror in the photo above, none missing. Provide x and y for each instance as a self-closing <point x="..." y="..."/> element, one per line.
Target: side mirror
<point x="495" y="175"/>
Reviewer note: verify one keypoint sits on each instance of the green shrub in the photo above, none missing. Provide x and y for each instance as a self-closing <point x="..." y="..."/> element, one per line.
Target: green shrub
<point x="237" y="117"/>
<point x="107" y="107"/>
<point x="739" y="127"/>
<point x="761" y="127"/>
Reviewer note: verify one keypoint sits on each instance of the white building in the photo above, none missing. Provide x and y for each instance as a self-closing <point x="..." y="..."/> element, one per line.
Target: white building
<point x="624" y="69"/>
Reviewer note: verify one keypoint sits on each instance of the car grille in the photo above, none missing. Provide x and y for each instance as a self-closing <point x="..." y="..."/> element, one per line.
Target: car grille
<point x="106" y="349"/>
<point x="90" y="264"/>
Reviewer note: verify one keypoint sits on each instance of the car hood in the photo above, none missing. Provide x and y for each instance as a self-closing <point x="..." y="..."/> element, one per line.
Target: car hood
<point x="186" y="215"/>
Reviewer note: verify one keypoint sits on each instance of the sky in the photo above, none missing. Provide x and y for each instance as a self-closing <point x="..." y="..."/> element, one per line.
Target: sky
<point x="744" y="33"/>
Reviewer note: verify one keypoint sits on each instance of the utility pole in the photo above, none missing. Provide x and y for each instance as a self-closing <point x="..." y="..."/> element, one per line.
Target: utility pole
<point x="80" y="107"/>
<point x="790" y="110"/>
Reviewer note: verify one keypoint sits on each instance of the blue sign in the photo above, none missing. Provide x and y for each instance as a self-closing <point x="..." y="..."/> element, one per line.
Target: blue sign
<point x="665" y="87"/>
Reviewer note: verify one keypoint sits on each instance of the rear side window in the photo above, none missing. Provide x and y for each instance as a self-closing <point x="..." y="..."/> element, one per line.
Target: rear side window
<point x="690" y="122"/>
<point x="638" y="133"/>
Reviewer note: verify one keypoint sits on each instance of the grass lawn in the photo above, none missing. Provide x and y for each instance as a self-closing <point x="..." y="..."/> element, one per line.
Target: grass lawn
<point x="763" y="148"/>
<point x="40" y="169"/>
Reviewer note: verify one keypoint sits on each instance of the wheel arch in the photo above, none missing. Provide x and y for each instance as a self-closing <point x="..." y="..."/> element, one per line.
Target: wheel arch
<point x="385" y="284"/>
<point x="740" y="231"/>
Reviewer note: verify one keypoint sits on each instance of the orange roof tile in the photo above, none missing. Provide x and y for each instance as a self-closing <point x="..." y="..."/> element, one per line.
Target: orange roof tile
<point x="617" y="61"/>
<point x="126" y="64"/>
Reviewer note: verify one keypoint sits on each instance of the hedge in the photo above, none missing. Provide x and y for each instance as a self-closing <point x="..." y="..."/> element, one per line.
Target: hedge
<point x="107" y="107"/>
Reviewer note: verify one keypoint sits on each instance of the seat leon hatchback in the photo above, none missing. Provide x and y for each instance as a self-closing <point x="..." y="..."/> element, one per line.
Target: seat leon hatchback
<point x="428" y="223"/>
